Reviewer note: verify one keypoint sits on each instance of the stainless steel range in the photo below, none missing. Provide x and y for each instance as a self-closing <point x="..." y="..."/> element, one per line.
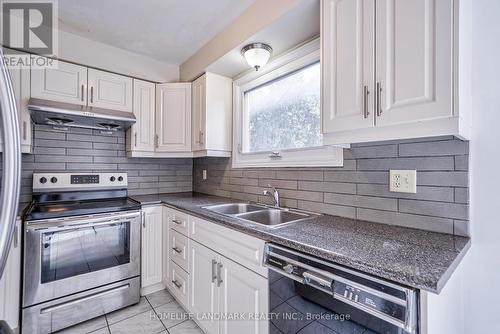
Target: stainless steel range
<point x="81" y="249"/>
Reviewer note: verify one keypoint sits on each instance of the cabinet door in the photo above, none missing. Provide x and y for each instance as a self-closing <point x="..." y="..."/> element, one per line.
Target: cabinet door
<point x="142" y="133"/>
<point x="347" y="36"/>
<point x="151" y="254"/>
<point x="414" y="60"/>
<point x="173" y="117"/>
<point x="10" y="282"/>
<point x="242" y="291"/>
<point x="199" y="113"/>
<point x="66" y="83"/>
<point x="204" y="292"/>
<point x="21" y="84"/>
<point x="109" y="90"/>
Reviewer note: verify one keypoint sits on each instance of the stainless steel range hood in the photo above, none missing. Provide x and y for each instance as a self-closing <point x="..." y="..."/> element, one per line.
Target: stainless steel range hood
<point x="71" y="115"/>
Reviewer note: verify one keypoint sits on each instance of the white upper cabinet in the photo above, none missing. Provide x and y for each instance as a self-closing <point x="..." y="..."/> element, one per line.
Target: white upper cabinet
<point x="141" y="135"/>
<point x="65" y="83"/>
<point x="414" y="60"/>
<point x="173" y="117"/>
<point x="212" y="115"/>
<point x="109" y="90"/>
<point x="402" y="88"/>
<point x="21" y="85"/>
<point x="347" y="64"/>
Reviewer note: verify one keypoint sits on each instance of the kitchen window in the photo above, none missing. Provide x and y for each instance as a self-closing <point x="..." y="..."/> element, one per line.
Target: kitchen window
<point x="277" y="113"/>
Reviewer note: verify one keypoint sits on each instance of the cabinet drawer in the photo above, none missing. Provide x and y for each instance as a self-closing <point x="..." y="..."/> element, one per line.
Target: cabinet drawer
<point x="179" y="284"/>
<point x="241" y="248"/>
<point x="179" y="249"/>
<point x="179" y="222"/>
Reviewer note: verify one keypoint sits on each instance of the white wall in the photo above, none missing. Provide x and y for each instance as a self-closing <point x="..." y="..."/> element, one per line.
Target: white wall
<point x="87" y="52"/>
<point x="482" y="263"/>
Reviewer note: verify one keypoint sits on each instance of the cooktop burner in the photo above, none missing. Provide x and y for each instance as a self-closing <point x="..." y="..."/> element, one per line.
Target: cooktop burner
<point x="58" y="195"/>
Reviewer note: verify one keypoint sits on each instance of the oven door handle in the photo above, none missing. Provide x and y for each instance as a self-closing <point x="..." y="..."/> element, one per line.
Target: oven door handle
<point x="69" y="224"/>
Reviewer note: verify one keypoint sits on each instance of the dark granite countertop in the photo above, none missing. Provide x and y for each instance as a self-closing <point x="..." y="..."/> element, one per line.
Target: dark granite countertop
<point x="417" y="258"/>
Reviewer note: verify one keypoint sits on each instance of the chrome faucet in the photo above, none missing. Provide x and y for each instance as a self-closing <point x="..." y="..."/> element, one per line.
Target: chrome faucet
<point x="273" y="193"/>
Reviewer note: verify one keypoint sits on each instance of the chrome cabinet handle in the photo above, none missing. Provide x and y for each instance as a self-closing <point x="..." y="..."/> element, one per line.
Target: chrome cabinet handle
<point x="177" y="284"/>
<point x="201" y="137"/>
<point x="25" y="125"/>
<point x="91" y="94"/>
<point x="83" y="87"/>
<point x="157" y="141"/>
<point x="219" y="276"/>
<point x="366" y="92"/>
<point x="177" y="250"/>
<point x="378" y="105"/>
<point x="214" y="274"/>
<point x="178" y="222"/>
<point x="135" y="135"/>
<point x="144" y="219"/>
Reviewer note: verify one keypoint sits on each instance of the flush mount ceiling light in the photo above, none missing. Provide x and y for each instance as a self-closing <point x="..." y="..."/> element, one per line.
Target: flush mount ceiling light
<point x="257" y="54"/>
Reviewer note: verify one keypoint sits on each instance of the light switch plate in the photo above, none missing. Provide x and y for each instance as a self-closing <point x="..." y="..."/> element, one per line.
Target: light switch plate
<point x="403" y="181"/>
<point x="204" y="174"/>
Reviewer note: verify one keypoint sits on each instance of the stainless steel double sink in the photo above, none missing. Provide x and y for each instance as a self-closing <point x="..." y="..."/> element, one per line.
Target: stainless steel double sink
<point x="260" y="214"/>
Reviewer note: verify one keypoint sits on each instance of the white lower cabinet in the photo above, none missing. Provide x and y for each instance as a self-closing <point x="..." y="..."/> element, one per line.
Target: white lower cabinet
<point x="242" y="292"/>
<point x="220" y="274"/>
<point x="204" y="297"/>
<point x="151" y="249"/>
<point x="10" y="283"/>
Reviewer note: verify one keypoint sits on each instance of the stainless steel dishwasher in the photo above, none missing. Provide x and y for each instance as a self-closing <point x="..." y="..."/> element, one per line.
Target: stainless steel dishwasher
<point x="311" y="295"/>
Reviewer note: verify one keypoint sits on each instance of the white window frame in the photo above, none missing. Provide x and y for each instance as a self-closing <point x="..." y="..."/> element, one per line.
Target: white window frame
<point x="320" y="156"/>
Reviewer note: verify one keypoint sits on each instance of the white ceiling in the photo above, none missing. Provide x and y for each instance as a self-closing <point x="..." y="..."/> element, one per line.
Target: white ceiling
<point x="166" y="30"/>
<point x="292" y="29"/>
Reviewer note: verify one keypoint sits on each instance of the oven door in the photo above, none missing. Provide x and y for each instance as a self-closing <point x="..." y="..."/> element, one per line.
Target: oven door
<point x="66" y="256"/>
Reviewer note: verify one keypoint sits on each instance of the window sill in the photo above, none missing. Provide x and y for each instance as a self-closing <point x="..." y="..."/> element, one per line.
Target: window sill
<point x="323" y="156"/>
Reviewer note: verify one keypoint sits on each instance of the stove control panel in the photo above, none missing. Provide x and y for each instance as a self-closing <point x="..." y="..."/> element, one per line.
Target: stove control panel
<point x="46" y="182"/>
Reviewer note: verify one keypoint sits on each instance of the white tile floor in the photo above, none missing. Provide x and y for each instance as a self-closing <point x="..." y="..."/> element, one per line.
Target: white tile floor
<point x="157" y="313"/>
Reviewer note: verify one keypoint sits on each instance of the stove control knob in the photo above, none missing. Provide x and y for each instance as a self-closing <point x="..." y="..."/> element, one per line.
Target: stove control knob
<point x="53" y="180"/>
<point x="288" y="268"/>
<point x="120" y="178"/>
<point x="43" y="180"/>
<point x="112" y="179"/>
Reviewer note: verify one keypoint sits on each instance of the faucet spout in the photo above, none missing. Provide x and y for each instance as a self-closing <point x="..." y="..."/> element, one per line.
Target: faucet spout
<point x="273" y="193"/>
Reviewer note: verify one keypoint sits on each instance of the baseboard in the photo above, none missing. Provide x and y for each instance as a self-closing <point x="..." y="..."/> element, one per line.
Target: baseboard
<point x="152" y="288"/>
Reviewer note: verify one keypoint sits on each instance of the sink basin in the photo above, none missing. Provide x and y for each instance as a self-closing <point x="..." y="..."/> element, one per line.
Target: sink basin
<point x="273" y="217"/>
<point x="234" y="208"/>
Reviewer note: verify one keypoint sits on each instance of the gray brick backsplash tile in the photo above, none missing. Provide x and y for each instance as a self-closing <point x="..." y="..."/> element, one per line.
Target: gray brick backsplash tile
<point x="436" y="209"/>
<point x="331" y="209"/>
<point x="84" y="150"/>
<point x="331" y="187"/>
<point x="377" y="177"/>
<point x="384" y="151"/>
<point x="442" y="194"/>
<point x="462" y="195"/>
<point x="361" y="187"/>
<point x="436" y="224"/>
<point x="389" y="204"/>
<point x="420" y="163"/>
<point x="446" y="179"/>
<point x="436" y="148"/>
<point x="281" y="184"/>
<point x="462" y="162"/>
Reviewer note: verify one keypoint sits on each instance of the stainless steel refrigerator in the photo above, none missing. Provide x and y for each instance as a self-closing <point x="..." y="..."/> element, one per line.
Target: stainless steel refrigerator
<point x="11" y="168"/>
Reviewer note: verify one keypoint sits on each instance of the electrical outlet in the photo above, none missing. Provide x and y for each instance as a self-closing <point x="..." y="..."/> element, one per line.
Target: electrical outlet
<point x="204" y="174"/>
<point x="403" y="181"/>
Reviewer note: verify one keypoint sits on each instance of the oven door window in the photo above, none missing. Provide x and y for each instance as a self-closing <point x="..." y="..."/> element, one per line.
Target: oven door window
<point x="78" y="251"/>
